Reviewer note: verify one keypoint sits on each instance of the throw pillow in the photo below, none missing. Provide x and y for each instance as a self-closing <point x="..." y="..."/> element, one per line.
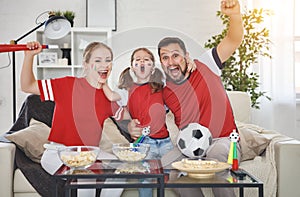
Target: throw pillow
<point x="110" y="135"/>
<point x="252" y="141"/>
<point x="31" y="139"/>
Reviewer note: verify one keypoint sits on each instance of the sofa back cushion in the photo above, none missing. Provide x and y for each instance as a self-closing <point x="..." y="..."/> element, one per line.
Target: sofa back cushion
<point x="253" y="140"/>
<point x="241" y="105"/>
<point x="31" y="139"/>
<point x="111" y="135"/>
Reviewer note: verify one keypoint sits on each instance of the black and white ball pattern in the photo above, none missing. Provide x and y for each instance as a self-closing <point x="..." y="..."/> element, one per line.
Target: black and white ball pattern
<point x="193" y="140"/>
<point x="234" y="136"/>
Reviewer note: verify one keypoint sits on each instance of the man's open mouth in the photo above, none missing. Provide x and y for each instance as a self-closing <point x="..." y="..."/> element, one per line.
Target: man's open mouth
<point x="175" y="70"/>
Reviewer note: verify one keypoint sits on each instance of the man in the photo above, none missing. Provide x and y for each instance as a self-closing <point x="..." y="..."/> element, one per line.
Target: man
<point x="199" y="96"/>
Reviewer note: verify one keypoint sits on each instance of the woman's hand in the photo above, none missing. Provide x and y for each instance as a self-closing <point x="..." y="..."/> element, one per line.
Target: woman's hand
<point x="34" y="48"/>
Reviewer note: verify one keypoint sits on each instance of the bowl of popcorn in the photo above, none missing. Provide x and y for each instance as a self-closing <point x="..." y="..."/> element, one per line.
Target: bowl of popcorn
<point x="200" y="168"/>
<point x="131" y="152"/>
<point x="78" y="157"/>
<point x="199" y="163"/>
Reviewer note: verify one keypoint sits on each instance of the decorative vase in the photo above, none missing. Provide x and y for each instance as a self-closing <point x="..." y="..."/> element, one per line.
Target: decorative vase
<point x="66" y="53"/>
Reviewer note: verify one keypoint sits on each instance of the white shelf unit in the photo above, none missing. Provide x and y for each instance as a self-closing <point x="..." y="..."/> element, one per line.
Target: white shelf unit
<point x="77" y="39"/>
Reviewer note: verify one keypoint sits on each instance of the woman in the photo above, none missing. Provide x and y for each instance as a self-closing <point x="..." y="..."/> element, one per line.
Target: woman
<point x="80" y="103"/>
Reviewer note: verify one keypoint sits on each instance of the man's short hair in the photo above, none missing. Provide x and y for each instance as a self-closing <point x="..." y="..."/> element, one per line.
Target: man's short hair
<point x="171" y="40"/>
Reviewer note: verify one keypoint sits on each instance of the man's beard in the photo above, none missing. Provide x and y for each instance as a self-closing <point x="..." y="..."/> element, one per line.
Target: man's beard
<point x="181" y="78"/>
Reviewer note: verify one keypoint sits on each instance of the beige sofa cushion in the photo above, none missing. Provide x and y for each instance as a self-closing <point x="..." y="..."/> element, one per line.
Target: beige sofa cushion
<point x="110" y="135"/>
<point x="31" y="139"/>
<point x="21" y="184"/>
<point x="241" y="105"/>
<point x="252" y="141"/>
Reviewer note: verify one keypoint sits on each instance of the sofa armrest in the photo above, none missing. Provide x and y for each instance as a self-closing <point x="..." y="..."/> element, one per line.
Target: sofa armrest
<point x="287" y="157"/>
<point x="7" y="155"/>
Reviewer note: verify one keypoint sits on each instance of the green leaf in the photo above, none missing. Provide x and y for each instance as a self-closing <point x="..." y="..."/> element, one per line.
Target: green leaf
<point x="237" y="73"/>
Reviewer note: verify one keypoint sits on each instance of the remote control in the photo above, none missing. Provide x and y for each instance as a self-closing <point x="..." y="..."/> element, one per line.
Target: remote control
<point x="240" y="173"/>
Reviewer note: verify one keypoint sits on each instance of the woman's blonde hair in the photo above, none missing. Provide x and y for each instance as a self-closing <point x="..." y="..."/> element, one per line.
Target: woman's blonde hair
<point x="91" y="47"/>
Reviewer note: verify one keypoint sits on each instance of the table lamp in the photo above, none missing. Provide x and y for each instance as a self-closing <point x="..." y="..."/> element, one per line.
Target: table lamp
<point x="56" y="27"/>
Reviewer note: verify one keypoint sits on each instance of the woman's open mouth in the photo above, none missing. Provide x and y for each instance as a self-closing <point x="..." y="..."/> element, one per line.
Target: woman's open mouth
<point x="103" y="74"/>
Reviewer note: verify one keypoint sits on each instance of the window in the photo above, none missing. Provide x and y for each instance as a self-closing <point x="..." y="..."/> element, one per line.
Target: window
<point x="297" y="64"/>
<point x="297" y="46"/>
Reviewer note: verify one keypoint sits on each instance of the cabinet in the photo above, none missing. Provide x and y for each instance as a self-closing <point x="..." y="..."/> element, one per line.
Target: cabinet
<point x="74" y="44"/>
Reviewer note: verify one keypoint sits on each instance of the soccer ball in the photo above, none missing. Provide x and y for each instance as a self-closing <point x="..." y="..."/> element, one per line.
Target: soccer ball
<point x="234" y="136"/>
<point x="193" y="140"/>
<point x="146" y="131"/>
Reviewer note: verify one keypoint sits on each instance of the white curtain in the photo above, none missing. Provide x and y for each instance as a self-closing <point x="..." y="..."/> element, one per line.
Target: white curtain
<point x="277" y="75"/>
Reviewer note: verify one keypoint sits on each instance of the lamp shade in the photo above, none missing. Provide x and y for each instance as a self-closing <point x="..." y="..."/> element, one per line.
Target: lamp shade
<point x="57" y="27"/>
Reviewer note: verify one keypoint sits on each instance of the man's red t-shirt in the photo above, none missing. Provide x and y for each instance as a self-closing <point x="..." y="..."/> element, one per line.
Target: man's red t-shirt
<point x="201" y="99"/>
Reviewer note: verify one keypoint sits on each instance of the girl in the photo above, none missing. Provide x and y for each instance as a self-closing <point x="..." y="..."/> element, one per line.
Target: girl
<point x="140" y="88"/>
<point x="143" y="84"/>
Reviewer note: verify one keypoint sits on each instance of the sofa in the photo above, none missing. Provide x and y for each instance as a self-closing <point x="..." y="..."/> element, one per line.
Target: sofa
<point x="268" y="155"/>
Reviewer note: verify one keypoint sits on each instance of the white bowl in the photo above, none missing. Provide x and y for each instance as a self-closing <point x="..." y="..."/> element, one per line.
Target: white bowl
<point x="131" y="152"/>
<point x="78" y="157"/>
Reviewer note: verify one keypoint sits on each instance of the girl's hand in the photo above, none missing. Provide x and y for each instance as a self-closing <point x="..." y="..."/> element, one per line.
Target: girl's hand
<point x="191" y="66"/>
<point x="96" y="77"/>
<point x="93" y="77"/>
<point x="134" y="130"/>
<point x="33" y="48"/>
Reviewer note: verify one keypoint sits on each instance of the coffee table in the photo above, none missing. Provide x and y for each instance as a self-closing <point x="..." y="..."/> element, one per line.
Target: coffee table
<point x="177" y="179"/>
<point x="132" y="175"/>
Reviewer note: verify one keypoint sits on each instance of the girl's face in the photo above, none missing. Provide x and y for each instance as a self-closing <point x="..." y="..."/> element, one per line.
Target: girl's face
<point x="100" y="62"/>
<point x="142" y="66"/>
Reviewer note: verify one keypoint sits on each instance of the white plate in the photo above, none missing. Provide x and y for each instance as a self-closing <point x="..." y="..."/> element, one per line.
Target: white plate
<point x="201" y="172"/>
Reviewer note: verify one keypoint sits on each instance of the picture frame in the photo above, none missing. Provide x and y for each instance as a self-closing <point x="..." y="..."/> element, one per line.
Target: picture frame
<point x="47" y="58"/>
<point x="101" y="13"/>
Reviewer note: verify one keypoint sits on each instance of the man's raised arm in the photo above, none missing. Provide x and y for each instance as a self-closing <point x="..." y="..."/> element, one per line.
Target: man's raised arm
<point x="235" y="33"/>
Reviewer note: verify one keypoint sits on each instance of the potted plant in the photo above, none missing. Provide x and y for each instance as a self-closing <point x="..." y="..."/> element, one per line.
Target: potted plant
<point x="237" y="74"/>
<point x="57" y="13"/>
<point x="69" y="15"/>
